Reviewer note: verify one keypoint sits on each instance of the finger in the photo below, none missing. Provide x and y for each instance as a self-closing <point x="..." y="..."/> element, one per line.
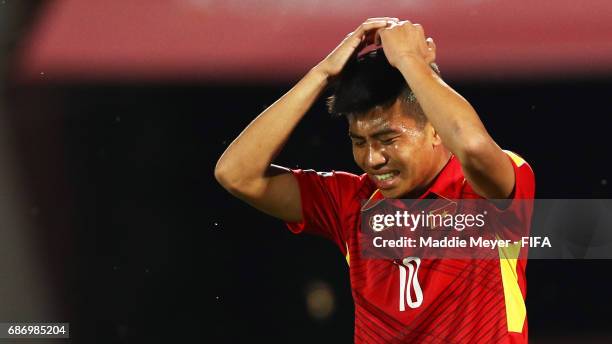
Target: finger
<point x="365" y="34"/>
<point x="373" y="36"/>
<point x="431" y="44"/>
<point x="377" y="39"/>
<point x="359" y="38"/>
<point x="419" y="30"/>
<point x="357" y="35"/>
<point x="382" y="18"/>
<point x="393" y="25"/>
<point x="383" y="22"/>
<point x="366" y="27"/>
<point x="431" y="47"/>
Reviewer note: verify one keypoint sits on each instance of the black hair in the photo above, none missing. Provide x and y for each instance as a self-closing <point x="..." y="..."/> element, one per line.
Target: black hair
<point x="369" y="81"/>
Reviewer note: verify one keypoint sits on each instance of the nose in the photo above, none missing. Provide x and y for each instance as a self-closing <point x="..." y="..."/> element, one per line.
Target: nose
<point x="376" y="157"/>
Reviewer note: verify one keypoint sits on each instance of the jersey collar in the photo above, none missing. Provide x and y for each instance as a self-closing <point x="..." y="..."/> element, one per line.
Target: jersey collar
<point x="447" y="184"/>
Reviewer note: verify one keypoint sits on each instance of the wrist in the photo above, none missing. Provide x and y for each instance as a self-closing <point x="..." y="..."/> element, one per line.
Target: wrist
<point x="316" y="73"/>
<point x="414" y="68"/>
<point x="410" y="62"/>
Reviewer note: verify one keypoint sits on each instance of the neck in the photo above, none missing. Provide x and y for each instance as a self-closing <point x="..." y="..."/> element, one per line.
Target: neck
<point x="444" y="158"/>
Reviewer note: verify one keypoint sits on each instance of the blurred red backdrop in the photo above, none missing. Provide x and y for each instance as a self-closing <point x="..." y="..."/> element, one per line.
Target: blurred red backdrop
<point x="276" y="40"/>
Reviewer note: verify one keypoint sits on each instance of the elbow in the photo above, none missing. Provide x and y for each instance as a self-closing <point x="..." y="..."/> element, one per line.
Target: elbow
<point x="227" y="177"/>
<point x="475" y="148"/>
<point x="223" y="176"/>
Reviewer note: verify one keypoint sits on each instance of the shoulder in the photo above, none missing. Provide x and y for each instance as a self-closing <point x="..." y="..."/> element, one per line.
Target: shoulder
<point x="341" y="184"/>
<point x="524" y="182"/>
<point x="519" y="162"/>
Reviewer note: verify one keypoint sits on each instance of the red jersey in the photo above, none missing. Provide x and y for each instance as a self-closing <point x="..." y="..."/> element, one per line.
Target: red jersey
<point x="418" y="300"/>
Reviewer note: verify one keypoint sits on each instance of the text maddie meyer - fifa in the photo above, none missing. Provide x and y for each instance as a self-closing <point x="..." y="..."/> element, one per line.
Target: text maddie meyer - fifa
<point x="457" y="242"/>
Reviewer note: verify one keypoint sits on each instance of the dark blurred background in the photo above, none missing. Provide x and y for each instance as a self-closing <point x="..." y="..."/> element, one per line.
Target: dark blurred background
<point x="114" y="114"/>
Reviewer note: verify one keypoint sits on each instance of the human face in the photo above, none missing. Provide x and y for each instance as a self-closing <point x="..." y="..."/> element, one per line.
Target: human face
<point x="400" y="157"/>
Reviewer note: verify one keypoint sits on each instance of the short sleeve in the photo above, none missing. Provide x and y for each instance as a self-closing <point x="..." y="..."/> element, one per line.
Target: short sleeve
<point x="326" y="198"/>
<point x="524" y="184"/>
<point x="516" y="217"/>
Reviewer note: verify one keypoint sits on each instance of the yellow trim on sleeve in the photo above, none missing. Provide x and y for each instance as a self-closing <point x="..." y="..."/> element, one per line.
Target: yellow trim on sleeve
<point x="516" y="311"/>
<point x="515" y="157"/>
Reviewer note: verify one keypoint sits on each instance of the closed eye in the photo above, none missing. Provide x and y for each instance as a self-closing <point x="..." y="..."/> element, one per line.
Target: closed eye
<point x="388" y="141"/>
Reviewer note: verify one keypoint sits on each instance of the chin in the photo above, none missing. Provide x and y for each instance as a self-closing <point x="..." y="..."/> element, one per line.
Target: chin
<point x="397" y="192"/>
<point x="391" y="193"/>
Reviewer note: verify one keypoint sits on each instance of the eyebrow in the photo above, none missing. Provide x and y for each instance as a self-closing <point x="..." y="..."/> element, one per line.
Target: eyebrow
<point x="377" y="134"/>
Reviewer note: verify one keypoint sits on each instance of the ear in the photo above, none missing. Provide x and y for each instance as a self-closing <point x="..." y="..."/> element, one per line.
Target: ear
<point x="436" y="140"/>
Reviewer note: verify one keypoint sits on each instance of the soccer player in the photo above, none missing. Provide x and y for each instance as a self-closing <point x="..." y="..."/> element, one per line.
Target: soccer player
<point x="414" y="137"/>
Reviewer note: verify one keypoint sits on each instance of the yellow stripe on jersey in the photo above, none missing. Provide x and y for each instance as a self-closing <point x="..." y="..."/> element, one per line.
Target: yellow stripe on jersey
<point x="515" y="305"/>
<point x="366" y="205"/>
<point x="516" y="311"/>
<point x="348" y="256"/>
<point x="515" y="157"/>
<point x="363" y="208"/>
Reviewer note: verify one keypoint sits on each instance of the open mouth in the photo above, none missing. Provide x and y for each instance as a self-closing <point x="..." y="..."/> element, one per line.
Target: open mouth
<point x="386" y="176"/>
<point x="384" y="180"/>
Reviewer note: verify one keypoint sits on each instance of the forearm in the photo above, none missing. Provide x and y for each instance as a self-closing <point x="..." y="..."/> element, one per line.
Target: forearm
<point x="248" y="157"/>
<point x="454" y="119"/>
<point x="485" y="166"/>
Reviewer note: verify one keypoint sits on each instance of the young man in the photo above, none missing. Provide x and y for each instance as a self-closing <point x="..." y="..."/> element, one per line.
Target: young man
<point x="414" y="137"/>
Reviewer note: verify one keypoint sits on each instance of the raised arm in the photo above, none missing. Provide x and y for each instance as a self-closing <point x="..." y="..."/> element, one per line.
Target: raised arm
<point x="245" y="169"/>
<point x="486" y="167"/>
